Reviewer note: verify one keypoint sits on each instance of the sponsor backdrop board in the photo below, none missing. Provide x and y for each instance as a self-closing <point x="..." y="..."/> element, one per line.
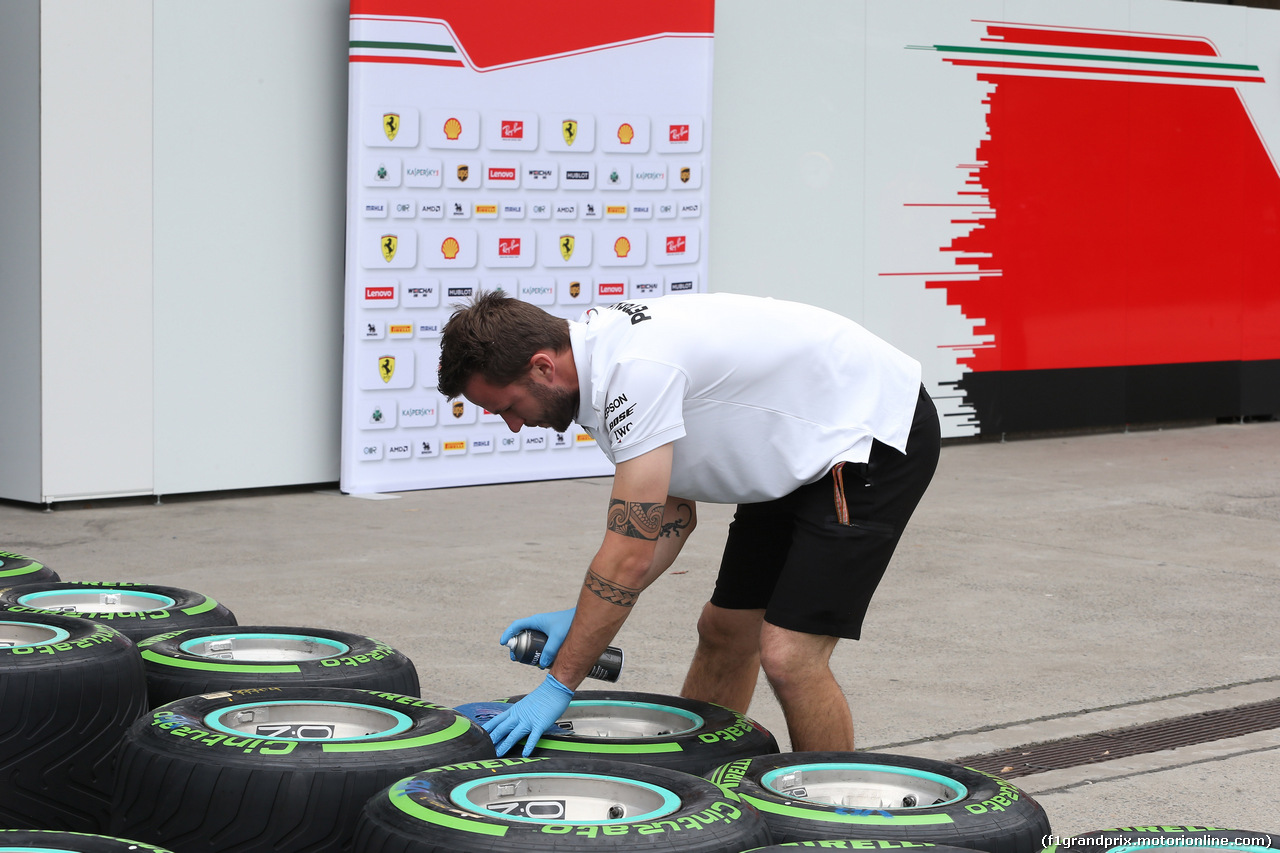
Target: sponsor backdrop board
<point x="562" y="158"/>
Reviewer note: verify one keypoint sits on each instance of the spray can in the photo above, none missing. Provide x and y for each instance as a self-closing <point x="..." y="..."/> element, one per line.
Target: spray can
<point x="526" y="647"/>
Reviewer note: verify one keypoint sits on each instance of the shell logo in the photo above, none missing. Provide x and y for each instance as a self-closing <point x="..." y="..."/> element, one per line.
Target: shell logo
<point x="622" y="246"/>
<point x="626" y="133"/>
<point x="450" y="248"/>
<point x="452" y="129"/>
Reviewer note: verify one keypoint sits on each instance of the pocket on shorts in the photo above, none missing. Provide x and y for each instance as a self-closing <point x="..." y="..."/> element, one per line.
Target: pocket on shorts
<point x="853" y="495"/>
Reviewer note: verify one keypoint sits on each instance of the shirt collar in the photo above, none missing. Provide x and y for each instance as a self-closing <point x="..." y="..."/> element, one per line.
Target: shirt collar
<point x="586" y="416"/>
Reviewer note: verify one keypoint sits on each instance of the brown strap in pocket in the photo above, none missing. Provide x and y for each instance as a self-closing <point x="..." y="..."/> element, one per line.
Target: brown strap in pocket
<point x="842" y="506"/>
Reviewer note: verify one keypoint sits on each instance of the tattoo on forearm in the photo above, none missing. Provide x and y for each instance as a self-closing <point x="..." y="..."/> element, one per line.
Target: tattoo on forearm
<point x="675" y="525"/>
<point x="637" y="520"/>
<point x="611" y="592"/>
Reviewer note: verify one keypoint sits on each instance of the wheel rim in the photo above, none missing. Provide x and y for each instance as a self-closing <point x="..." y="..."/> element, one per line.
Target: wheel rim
<point x="619" y="719"/>
<point x="565" y="798"/>
<point x="263" y="647"/>
<point x="307" y="721"/>
<point x="20" y="635"/>
<point x="864" y="786"/>
<point x="96" y="600"/>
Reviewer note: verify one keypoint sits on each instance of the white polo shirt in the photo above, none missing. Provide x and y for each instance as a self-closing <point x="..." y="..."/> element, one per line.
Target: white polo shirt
<point x="759" y="396"/>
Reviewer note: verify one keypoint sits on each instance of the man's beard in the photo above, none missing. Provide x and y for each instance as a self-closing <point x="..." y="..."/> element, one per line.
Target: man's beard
<point x="559" y="406"/>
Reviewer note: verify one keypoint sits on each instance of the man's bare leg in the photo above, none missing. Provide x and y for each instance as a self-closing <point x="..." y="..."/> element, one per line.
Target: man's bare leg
<point x="727" y="661"/>
<point x="798" y="668"/>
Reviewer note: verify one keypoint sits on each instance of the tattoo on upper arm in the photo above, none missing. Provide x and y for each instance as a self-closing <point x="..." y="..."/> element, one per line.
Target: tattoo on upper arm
<point x="623" y="596"/>
<point x="675" y="525"/>
<point x="637" y="520"/>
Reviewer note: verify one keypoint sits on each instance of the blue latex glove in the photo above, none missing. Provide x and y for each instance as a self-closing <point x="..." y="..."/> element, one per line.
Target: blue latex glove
<point x="555" y="625"/>
<point x="532" y="716"/>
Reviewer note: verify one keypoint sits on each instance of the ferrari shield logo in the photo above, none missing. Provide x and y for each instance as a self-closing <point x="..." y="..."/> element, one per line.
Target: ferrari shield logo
<point x="566" y="246"/>
<point x="391" y="125"/>
<point x="387" y="367"/>
<point x="389" y="244"/>
<point x="569" y="128"/>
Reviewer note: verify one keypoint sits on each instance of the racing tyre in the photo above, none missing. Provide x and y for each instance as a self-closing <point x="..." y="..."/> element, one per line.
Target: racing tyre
<point x="1161" y="839"/>
<point x="809" y="796"/>
<point x="646" y="728"/>
<point x="526" y="805"/>
<point x="136" y="610"/>
<point x="276" y="770"/>
<point x="69" y="690"/>
<point x="202" y="660"/>
<point x="31" y="840"/>
<point x="15" y="569"/>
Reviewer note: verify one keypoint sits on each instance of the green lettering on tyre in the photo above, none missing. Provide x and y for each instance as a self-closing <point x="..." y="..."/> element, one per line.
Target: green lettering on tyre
<point x="399" y="796"/>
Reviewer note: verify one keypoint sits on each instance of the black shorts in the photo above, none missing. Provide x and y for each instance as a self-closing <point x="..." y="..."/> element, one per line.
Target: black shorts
<point x="813" y="567"/>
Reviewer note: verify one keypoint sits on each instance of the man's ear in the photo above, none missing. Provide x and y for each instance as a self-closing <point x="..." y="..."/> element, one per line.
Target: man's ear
<point x="542" y="367"/>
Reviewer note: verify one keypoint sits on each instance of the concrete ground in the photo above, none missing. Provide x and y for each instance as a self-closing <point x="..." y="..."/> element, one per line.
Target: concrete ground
<point x="1047" y="587"/>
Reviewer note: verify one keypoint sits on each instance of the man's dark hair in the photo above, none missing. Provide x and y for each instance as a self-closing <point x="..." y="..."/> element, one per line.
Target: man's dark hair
<point x="495" y="336"/>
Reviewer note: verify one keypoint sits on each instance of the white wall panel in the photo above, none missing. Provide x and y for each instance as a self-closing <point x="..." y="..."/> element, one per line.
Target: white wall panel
<point x="787" y="192"/>
<point x="250" y="147"/>
<point x="95" y="228"/>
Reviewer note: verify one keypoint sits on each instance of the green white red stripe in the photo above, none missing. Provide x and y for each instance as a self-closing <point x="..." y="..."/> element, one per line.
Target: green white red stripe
<point x="1096" y="54"/>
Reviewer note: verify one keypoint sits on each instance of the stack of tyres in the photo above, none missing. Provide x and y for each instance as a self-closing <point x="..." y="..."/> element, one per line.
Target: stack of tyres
<point x="136" y="610"/>
<point x="812" y="796"/>
<point x="568" y="805"/>
<point x="204" y="660"/>
<point x="15" y="568"/>
<point x="646" y="728"/>
<point x="69" y="690"/>
<point x="276" y="769"/>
